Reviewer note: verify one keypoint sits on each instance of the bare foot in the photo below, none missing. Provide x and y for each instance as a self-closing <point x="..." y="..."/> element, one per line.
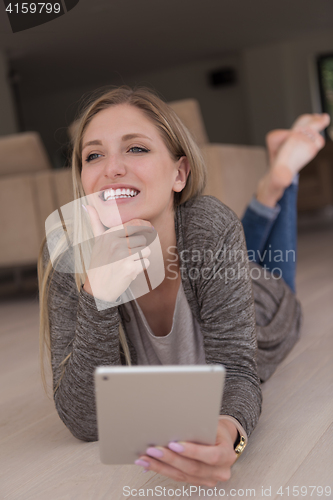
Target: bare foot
<point x="300" y="147"/>
<point x="297" y="151"/>
<point x="315" y="121"/>
<point x="275" y="138"/>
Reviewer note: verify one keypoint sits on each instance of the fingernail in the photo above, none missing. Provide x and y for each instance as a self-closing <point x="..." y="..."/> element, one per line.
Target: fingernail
<point x="143" y="463"/>
<point x="154" y="452"/>
<point x="176" y="447"/>
<point x="145" y="470"/>
<point x="84" y="208"/>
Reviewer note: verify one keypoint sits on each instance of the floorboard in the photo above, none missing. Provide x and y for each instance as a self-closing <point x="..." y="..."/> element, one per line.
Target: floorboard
<point x="291" y="447"/>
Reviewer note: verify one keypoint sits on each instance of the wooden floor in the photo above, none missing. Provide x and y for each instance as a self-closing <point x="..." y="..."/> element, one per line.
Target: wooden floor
<point x="291" y="447"/>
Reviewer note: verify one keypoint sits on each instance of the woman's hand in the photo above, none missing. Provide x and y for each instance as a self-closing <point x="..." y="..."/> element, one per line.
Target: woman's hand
<point x="193" y="463"/>
<point x="115" y="261"/>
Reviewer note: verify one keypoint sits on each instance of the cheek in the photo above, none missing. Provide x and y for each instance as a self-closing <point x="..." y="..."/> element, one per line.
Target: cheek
<point x="87" y="180"/>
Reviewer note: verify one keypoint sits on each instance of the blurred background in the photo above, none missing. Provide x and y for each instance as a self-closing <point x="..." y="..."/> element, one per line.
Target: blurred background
<point x="234" y="70"/>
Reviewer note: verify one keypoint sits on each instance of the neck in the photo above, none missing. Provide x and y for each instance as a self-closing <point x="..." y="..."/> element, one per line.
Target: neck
<point x="165" y="228"/>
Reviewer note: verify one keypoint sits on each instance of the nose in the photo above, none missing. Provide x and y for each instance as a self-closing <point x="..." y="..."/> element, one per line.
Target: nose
<point x="114" y="167"/>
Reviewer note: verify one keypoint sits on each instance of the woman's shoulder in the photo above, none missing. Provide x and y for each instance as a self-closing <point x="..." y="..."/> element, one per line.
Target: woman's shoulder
<point x="206" y="216"/>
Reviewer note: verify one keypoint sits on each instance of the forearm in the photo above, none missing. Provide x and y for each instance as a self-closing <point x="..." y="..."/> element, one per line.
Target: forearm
<point x="82" y="338"/>
<point x="230" y="337"/>
<point x="238" y="393"/>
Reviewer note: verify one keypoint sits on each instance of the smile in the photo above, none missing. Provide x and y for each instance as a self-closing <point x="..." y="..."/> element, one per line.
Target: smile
<point x="114" y="194"/>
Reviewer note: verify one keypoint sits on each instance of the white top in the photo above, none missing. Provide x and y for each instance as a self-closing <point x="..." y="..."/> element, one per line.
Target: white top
<point x="182" y="346"/>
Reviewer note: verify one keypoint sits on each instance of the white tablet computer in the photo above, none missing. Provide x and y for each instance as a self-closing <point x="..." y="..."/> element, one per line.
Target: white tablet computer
<point x="144" y="406"/>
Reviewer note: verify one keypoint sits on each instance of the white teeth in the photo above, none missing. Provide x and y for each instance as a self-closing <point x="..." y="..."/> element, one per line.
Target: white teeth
<point x="111" y="194"/>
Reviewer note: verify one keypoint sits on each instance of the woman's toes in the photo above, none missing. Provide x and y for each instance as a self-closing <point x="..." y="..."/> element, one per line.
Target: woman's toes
<point x="316" y="121"/>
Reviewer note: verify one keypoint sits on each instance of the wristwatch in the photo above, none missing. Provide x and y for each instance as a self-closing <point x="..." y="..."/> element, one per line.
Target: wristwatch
<point x="240" y="445"/>
<point x="241" y="440"/>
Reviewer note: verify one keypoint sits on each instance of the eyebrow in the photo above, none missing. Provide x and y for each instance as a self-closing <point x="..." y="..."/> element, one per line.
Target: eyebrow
<point x="126" y="137"/>
<point x="92" y="143"/>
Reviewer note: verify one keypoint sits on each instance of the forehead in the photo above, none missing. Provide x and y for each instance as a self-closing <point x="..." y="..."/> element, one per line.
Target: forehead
<point x="118" y="120"/>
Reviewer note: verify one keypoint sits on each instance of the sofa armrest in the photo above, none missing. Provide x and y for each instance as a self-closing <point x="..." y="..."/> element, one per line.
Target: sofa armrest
<point x="20" y="237"/>
<point x="233" y="173"/>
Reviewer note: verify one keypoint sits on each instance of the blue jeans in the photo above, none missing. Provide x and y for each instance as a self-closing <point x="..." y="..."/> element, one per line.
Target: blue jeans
<point x="271" y="234"/>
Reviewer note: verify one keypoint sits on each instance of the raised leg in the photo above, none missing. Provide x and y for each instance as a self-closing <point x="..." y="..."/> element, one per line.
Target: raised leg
<point x="271" y="234"/>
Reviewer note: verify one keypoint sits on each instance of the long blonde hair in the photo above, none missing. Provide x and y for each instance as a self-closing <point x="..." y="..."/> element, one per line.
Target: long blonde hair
<point x="179" y="142"/>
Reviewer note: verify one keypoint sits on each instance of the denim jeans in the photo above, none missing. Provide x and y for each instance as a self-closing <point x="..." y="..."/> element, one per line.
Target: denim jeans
<point x="271" y="234"/>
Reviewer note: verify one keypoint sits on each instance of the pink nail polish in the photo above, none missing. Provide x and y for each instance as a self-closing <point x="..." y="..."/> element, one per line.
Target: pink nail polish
<point x="143" y="463"/>
<point x="154" y="452"/>
<point x="84" y="208"/>
<point x="176" y="447"/>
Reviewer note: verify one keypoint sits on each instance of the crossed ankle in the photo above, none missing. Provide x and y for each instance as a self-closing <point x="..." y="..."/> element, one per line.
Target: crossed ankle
<point x="270" y="190"/>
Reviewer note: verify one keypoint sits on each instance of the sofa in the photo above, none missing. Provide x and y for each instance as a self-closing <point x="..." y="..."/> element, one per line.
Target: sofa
<point x="30" y="189"/>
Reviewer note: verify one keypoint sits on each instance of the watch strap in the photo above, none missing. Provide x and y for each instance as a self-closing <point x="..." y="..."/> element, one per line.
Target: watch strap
<point x="242" y="440"/>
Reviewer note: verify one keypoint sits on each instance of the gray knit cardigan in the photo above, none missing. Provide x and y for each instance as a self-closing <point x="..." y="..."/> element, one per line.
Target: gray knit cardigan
<point x="248" y="325"/>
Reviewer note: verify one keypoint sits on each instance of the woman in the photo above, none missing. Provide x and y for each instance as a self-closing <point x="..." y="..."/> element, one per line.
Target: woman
<point x="131" y="140"/>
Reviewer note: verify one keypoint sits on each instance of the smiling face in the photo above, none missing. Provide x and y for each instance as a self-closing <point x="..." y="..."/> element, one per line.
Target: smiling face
<point x="123" y="150"/>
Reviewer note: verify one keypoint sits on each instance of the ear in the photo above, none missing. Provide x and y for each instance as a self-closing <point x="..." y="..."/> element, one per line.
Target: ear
<point x="183" y="170"/>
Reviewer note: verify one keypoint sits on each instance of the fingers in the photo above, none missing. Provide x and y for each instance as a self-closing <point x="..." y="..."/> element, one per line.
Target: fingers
<point x="96" y="224"/>
<point x="181" y="468"/>
<point x="133" y="229"/>
<point x="135" y="242"/>
<point x="139" y="266"/>
<point x="211" y="455"/>
<point x="162" y="468"/>
<point x="140" y="253"/>
<point x="138" y="222"/>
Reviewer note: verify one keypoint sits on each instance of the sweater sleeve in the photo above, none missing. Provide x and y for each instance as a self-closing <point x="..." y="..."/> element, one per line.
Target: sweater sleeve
<point x="228" y="320"/>
<point x="90" y="338"/>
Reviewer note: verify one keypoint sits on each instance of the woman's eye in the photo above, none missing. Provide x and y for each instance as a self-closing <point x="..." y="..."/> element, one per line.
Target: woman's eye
<point x="139" y="149"/>
<point x="92" y="156"/>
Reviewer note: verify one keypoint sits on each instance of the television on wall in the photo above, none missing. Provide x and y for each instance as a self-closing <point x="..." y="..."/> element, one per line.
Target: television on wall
<point x="325" y="77"/>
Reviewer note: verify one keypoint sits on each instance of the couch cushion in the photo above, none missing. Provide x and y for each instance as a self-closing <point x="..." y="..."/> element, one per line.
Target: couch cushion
<point x="63" y="185"/>
<point x="233" y="173"/>
<point x="189" y="112"/>
<point x="20" y="235"/>
<point x="22" y="154"/>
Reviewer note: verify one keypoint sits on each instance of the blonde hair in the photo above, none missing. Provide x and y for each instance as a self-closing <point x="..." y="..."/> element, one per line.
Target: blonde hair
<point x="178" y="141"/>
